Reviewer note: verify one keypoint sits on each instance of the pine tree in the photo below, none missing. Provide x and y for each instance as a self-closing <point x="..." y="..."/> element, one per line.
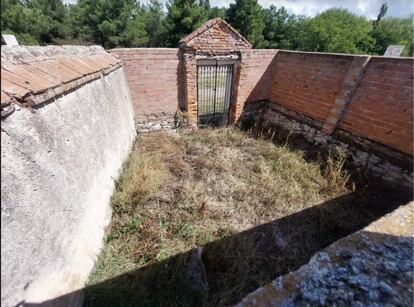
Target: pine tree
<point x="153" y="22"/>
<point x="246" y="17"/>
<point x="183" y="17"/>
<point x="110" y="23"/>
<point x="34" y="22"/>
<point x="279" y="28"/>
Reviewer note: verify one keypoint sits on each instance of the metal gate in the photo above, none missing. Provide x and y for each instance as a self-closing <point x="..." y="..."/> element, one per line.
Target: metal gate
<point x="214" y="86"/>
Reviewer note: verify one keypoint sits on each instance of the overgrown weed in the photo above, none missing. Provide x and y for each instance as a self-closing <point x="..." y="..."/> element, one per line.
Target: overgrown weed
<point x="180" y="191"/>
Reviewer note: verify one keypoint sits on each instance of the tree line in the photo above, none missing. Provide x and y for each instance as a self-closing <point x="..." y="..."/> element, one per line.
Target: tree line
<point x="128" y="23"/>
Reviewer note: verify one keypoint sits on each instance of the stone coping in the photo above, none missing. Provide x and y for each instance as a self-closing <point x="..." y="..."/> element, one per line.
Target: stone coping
<point x="33" y="75"/>
<point x="372" y="267"/>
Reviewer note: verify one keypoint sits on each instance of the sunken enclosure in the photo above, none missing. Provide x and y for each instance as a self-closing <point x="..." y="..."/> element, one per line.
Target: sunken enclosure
<point x="209" y="174"/>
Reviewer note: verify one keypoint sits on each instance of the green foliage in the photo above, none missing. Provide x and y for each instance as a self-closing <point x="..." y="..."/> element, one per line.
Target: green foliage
<point x="279" y="28"/>
<point x="34" y="22"/>
<point x="212" y="12"/>
<point x="246" y="17"/>
<point x="381" y="14"/>
<point x="393" y="31"/>
<point x="183" y="17"/>
<point x="335" y="30"/>
<point x="215" y="12"/>
<point x="111" y="23"/>
<point x="153" y="16"/>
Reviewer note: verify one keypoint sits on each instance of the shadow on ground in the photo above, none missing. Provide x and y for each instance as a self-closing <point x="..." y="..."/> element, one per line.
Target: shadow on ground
<point x="365" y="269"/>
<point x="239" y="264"/>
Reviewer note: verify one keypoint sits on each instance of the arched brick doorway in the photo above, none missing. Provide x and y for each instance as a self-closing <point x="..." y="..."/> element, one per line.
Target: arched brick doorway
<point x="211" y="62"/>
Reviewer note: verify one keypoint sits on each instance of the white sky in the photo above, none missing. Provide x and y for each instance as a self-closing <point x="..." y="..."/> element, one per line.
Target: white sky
<point x="368" y="8"/>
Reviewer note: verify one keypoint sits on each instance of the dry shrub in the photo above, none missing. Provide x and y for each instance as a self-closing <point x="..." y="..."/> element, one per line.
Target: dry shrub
<point x="333" y="171"/>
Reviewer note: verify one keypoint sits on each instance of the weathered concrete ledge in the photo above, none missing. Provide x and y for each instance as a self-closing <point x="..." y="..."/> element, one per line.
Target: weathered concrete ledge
<point x="59" y="163"/>
<point x="33" y="75"/>
<point x="372" y="267"/>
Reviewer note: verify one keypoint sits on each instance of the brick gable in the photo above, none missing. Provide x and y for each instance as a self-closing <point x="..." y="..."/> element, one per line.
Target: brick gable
<point x="215" y="37"/>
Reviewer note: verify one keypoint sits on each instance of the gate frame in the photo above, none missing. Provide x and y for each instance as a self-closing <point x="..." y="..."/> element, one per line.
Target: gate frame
<point x="216" y="61"/>
<point x="216" y="40"/>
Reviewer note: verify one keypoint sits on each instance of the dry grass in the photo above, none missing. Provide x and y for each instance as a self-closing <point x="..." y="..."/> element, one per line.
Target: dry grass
<point x="178" y="192"/>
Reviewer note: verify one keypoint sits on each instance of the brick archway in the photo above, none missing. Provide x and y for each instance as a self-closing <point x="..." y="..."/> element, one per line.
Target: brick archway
<point x="215" y="40"/>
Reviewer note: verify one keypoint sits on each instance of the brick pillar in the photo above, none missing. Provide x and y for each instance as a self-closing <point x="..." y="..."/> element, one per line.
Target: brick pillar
<point x="349" y="84"/>
<point x="238" y="90"/>
<point x="190" y="70"/>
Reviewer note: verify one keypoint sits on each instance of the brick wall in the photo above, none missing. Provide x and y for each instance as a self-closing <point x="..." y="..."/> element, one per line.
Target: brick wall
<point x="215" y="37"/>
<point x="152" y="78"/>
<point x="382" y="107"/>
<point x="258" y="67"/>
<point x="308" y="82"/>
<point x="371" y="97"/>
<point x="368" y="96"/>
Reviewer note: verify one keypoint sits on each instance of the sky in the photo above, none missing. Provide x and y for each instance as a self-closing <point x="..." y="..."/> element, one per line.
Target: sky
<point x="368" y="8"/>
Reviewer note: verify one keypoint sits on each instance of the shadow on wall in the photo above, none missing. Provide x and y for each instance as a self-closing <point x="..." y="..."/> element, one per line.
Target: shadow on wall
<point x="240" y="263"/>
<point x="181" y="82"/>
<point x="261" y="89"/>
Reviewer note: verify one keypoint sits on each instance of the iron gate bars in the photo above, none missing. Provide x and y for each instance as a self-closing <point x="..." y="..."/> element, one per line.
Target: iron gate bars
<point x="214" y="85"/>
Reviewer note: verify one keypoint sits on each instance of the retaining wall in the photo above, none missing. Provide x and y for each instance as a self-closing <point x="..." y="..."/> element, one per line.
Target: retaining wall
<point x="62" y="148"/>
<point x="275" y="121"/>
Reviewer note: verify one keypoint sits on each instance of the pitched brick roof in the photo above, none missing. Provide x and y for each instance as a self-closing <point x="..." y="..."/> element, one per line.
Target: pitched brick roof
<point x="210" y="23"/>
<point x="33" y="75"/>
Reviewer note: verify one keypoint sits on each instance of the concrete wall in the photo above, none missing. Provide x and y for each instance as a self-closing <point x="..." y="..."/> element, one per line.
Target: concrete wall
<point x="59" y="162"/>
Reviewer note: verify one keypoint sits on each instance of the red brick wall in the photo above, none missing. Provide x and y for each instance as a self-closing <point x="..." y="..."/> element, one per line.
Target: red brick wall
<point x="215" y="37"/>
<point x="308" y="82"/>
<point x="218" y="38"/>
<point x="382" y="107"/>
<point x="152" y="77"/>
<point x="255" y="77"/>
<point x="373" y="100"/>
<point x="380" y="104"/>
